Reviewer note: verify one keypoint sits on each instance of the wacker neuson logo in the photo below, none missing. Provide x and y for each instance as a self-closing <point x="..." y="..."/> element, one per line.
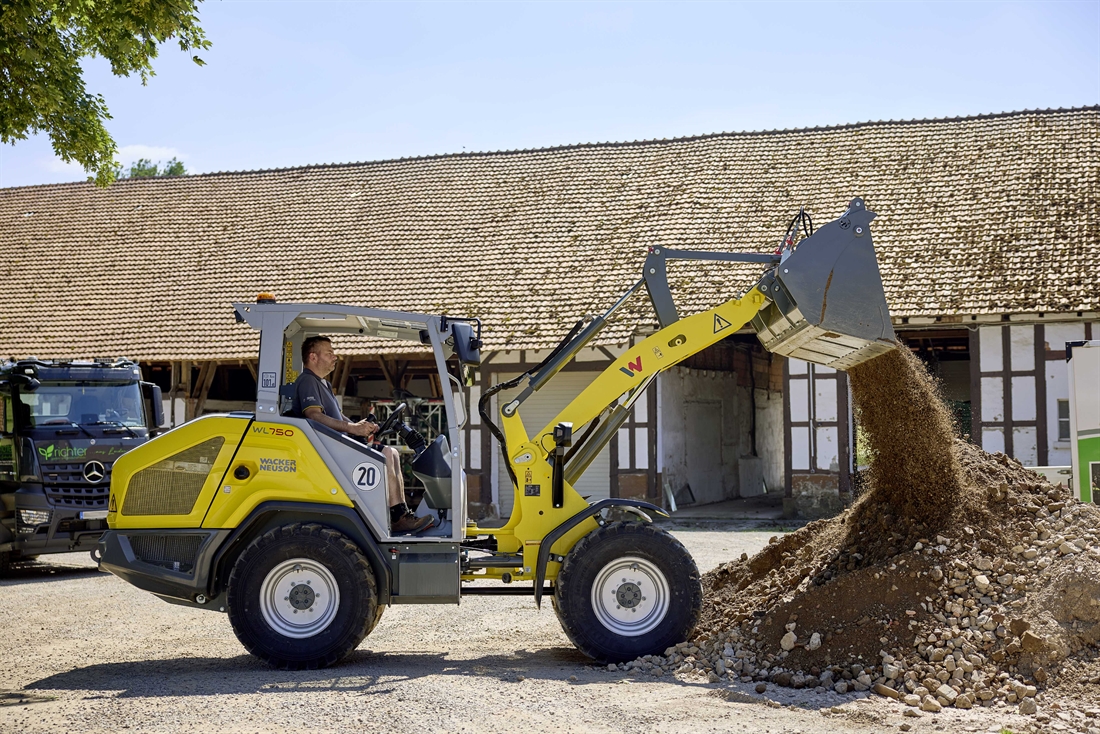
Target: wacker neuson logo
<point x="53" y="452"/>
<point x="279" y="465"/>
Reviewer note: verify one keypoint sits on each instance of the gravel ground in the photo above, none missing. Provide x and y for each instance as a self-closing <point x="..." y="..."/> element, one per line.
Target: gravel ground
<point x="85" y="651"/>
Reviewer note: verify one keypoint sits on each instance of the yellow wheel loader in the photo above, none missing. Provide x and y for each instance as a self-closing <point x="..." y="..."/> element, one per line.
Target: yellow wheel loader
<point x="284" y="524"/>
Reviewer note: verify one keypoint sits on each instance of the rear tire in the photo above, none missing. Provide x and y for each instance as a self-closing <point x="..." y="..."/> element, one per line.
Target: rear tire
<point x="627" y="590"/>
<point x="302" y="597"/>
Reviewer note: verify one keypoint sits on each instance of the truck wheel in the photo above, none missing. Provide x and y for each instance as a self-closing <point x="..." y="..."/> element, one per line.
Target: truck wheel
<point x="302" y="597"/>
<point x="627" y="590"/>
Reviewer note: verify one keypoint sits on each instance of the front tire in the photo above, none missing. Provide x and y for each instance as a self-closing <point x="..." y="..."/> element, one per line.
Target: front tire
<point x="627" y="590"/>
<point x="302" y="597"/>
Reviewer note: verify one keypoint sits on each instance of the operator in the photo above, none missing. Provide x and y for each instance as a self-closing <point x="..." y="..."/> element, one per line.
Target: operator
<point x="314" y="399"/>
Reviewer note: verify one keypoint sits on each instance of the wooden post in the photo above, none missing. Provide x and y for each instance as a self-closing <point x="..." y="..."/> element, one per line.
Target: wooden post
<point x="206" y="379"/>
<point x="185" y="388"/>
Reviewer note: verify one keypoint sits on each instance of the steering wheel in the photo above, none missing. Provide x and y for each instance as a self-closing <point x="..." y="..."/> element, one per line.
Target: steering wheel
<point x="390" y="424"/>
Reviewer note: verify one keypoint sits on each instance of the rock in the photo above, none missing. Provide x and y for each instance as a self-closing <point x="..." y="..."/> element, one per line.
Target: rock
<point x="930" y="704"/>
<point x="761" y="687"/>
<point x="886" y="691"/>
<point x="964" y="701"/>
<point x="815" y="641"/>
<point x="787" y="643"/>
<point x="891" y="671"/>
<point x="712" y="677"/>
<point x="947" y="693"/>
<point x="911" y="700"/>
<point x="1068" y="549"/>
<point x="1018" y="627"/>
<point x="982" y="582"/>
<point x="841" y="687"/>
<point x="782" y="679"/>
<point x="1031" y="642"/>
<point x="1028" y="707"/>
<point x="911" y="713"/>
<point x="611" y="667"/>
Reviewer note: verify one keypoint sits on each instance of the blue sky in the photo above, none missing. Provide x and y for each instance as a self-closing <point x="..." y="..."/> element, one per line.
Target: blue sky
<point x="300" y="83"/>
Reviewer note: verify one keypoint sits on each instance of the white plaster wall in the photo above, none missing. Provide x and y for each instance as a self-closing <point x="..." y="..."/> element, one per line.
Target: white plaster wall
<point x="683" y="393"/>
<point x="990" y="354"/>
<point x="1057" y="377"/>
<point x="1021" y="340"/>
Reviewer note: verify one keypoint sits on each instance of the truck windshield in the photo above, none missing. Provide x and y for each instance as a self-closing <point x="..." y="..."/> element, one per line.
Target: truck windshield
<point x="83" y="403"/>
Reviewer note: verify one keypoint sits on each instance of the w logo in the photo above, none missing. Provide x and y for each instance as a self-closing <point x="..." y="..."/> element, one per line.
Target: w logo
<point x="47" y="451"/>
<point x="632" y="368"/>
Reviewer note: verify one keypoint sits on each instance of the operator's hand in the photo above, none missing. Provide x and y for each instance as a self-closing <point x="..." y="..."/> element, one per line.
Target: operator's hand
<point x="364" y="428"/>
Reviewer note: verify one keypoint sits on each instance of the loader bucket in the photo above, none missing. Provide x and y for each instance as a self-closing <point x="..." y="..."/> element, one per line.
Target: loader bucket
<point x="826" y="304"/>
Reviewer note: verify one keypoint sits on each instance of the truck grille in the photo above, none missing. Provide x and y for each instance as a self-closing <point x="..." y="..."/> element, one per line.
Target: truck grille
<point x="65" y="486"/>
<point x="175" y="552"/>
<point x="171" y="486"/>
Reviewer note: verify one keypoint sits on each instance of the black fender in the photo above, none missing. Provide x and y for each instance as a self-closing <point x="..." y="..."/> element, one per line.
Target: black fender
<point x="556" y="534"/>
<point x="270" y="515"/>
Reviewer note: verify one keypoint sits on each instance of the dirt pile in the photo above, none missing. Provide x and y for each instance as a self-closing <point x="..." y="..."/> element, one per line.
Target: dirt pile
<point x="958" y="579"/>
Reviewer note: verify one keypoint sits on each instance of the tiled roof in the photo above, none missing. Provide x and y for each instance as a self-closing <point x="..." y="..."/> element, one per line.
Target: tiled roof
<point x="991" y="214"/>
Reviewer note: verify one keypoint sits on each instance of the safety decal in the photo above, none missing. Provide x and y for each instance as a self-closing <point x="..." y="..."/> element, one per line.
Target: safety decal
<point x="532" y="490"/>
<point x="633" y="367"/>
<point x="720" y="323"/>
<point x="111" y="507"/>
<point x="658" y="353"/>
<point x="366" y="476"/>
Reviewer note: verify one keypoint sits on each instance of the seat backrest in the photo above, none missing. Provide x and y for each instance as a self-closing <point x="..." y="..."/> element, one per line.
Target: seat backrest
<point x="433" y="468"/>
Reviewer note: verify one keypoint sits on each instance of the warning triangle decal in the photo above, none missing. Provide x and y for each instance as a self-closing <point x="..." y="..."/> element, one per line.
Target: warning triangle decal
<point x="720" y="323"/>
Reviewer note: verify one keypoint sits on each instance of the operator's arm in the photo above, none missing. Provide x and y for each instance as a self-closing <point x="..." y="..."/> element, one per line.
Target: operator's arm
<point x="366" y="429"/>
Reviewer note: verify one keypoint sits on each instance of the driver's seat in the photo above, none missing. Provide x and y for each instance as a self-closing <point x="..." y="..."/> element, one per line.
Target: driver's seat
<point x="433" y="468"/>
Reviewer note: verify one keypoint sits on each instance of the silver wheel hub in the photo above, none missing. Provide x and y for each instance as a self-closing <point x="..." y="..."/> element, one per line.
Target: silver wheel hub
<point x="630" y="596"/>
<point x="299" y="598"/>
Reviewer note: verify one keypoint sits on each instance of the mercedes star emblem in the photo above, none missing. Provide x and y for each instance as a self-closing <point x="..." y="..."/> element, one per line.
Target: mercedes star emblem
<point x="94" y="471"/>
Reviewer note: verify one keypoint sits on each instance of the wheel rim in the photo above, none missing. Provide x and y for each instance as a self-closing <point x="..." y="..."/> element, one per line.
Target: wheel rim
<point x="299" y="598"/>
<point x="630" y="596"/>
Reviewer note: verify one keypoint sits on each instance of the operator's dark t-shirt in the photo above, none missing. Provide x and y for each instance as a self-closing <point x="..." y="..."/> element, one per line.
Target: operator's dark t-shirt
<point x="311" y="391"/>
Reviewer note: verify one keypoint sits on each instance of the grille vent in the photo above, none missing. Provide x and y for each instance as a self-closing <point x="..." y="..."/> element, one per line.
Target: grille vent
<point x="171" y="486"/>
<point x="175" y="552"/>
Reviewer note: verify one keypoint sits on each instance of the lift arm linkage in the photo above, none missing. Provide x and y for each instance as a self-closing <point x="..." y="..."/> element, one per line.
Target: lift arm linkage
<point x="625" y="380"/>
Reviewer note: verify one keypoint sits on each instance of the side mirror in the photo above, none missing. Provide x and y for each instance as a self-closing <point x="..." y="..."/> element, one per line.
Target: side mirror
<point x="154" y="405"/>
<point x="466" y="345"/>
<point x="28" y="384"/>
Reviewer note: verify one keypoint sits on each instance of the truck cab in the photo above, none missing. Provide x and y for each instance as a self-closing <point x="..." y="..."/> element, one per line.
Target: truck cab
<point x="62" y="427"/>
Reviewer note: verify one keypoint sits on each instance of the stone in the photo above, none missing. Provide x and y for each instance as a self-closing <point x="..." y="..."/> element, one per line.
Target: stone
<point x="891" y="671"/>
<point x="886" y="691"/>
<point x="982" y="582"/>
<point x="761" y="687"/>
<point x="931" y="705"/>
<point x="911" y="713"/>
<point x="964" y="701"/>
<point x="787" y="643"/>
<point x="841" y="687"/>
<point x="1028" y="707"/>
<point x="611" y="667"/>
<point x="1018" y="627"/>
<point x="911" y="700"/>
<point x="1031" y="642"/>
<point x="815" y="641"/>
<point x="947" y="693"/>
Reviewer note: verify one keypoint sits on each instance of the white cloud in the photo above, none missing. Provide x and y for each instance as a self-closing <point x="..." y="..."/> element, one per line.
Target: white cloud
<point x="129" y="153"/>
<point x="56" y="165"/>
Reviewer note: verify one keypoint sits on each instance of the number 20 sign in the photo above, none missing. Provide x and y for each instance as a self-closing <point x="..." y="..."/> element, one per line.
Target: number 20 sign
<point x="366" y="476"/>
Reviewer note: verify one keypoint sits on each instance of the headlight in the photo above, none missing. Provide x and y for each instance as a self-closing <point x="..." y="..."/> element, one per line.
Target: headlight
<point x="28" y="519"/>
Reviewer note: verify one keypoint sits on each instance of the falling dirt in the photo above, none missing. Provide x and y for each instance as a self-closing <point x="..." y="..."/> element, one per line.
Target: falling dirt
<point x="958" y="578"/>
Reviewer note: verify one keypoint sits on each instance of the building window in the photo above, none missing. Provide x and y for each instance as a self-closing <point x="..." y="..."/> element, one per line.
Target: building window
<point x="1063" y="420"/>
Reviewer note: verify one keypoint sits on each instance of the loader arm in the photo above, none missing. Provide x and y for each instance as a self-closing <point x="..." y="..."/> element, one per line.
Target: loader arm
<point x="821" y="301"/>
<point x="610" y="396"/>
